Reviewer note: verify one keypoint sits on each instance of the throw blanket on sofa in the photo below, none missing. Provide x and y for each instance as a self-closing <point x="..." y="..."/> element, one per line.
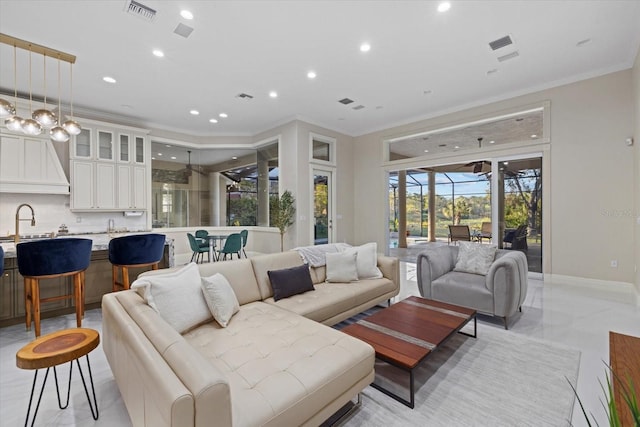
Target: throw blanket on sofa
<point x="315" y="255"/>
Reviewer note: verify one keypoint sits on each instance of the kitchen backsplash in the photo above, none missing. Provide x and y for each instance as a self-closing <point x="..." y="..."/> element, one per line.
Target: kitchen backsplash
<point x="52" y="210"/>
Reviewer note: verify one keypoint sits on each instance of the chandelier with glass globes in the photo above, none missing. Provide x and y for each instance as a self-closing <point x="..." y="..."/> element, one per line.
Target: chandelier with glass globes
<point x="42" y="119"/>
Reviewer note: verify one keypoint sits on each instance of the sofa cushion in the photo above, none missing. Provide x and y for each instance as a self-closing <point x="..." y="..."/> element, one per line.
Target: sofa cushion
<point x="464" y="289"/>
<point x="176" y="295"/>
<point x="366" y="261"/>
<point x="475" y="258"/>
<point x="290" y="281"/>
<point x="280" y="366"/>
<point x="263" y="263"/>
<point x="220" y="298"/>
<point x="341" y="267"/>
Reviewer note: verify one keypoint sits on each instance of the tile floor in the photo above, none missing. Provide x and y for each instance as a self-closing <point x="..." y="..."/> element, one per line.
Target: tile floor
<point x="577" y="316"/>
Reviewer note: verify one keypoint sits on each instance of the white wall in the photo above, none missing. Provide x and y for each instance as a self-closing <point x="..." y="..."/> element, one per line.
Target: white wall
<point x="636" y="148"/>
<point x="592" y="176"/>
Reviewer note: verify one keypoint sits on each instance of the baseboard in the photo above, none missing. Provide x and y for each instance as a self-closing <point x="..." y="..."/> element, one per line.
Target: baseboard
<point x="601" y="285"/>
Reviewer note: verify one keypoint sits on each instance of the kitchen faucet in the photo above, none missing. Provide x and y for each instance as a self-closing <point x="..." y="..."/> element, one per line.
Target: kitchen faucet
<point x="16" y="237"/>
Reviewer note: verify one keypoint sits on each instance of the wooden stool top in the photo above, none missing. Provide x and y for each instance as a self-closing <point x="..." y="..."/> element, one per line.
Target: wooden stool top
<point x="57" y="348"/>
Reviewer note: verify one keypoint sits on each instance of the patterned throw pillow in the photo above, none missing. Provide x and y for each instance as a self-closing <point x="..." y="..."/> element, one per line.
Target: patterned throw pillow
<point x="475" y="258"/>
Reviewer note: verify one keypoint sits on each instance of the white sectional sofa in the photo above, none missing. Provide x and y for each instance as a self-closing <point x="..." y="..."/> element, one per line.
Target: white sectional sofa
<point x="275" y="364"/>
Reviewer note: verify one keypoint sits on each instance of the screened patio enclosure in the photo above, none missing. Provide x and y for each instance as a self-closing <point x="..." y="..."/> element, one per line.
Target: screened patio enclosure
<point x="424" y="202"/>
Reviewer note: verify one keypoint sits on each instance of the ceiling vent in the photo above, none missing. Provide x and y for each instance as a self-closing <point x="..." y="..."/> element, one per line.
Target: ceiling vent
<point x="500" y="43"/>
<point x="140" y="10"/>
<point x="183" y="30"/>
<point x="358" y="107"/>
<point x="345" y="101"/>
<point x="508" y="56"/>
<point x="244" y="96"/>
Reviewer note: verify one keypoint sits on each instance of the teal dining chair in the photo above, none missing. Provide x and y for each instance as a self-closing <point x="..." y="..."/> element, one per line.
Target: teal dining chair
<point x="233" y="245"/>
<point x="197" y="249"/>
<point x="245" y="236"/>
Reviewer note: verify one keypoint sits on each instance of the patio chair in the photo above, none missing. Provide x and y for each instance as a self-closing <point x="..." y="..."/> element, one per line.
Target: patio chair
<point x="459" y="232"/>
<point x="485" y="231"/>
<point x="517" y="239"/>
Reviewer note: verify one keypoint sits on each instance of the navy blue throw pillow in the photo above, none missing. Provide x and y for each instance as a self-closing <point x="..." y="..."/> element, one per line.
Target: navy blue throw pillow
<point x="290" y="281"/>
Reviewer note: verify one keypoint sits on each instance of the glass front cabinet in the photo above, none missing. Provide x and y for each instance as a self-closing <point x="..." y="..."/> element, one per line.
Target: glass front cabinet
<point x="109" y="168"/>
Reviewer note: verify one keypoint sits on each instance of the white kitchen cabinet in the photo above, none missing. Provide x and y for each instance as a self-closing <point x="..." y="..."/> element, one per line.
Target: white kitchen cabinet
<point x="118" y="179"/>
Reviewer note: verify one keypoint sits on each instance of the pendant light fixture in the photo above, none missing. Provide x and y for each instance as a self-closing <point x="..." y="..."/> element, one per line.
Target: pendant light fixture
<point x="58" y="133"/>
<point x="14" y="123"/>
<point x="30" y="126"/>
<point x="71" y="125"/>
<point x="43" y="116"/>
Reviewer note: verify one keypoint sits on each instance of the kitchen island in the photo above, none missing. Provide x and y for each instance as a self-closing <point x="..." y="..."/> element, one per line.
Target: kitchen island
<point x="98" y="280"/>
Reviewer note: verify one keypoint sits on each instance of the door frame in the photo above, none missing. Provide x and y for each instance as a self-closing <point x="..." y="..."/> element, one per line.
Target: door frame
<point x="330" y="172"/>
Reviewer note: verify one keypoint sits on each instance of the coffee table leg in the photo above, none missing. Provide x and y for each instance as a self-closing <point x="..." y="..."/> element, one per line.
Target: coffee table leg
<point x="411" y="402"/>
<point x="94" y="413"/>
<point x="475" y="328"/>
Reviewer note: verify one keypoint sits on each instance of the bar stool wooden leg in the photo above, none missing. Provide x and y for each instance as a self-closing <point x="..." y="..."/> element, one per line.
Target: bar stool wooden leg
<point x="35" y="301"/>
<point x="82" y="289"/>
<point x="125" y="277"/>
<point x="154" y="266"/>
<point x="114" y="276"/>
<point x="27" y="302"/>
<point x="77" y="290"/>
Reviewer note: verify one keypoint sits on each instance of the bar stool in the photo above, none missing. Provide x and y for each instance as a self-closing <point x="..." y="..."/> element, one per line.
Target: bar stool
<point x="139" y="250"/>
<point x="51" y="258"/>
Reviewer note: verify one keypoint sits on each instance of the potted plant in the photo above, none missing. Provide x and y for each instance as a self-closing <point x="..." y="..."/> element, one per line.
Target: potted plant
<point x="284" y="212"/>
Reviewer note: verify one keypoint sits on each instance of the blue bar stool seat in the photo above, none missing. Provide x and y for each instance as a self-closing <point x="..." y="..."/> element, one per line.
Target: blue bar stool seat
<point x="51" y="258"/>
<point x="140" y="250"/>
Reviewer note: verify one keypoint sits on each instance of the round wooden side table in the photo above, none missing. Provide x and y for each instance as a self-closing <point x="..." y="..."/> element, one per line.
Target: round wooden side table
<point x="54" y="349"/>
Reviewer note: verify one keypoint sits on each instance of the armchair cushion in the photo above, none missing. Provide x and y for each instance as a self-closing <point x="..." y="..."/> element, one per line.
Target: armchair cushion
<point x="475" y="258"/>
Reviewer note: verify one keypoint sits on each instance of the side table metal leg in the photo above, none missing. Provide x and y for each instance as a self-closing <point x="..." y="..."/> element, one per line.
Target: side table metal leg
<point x="33" y="387"/>
<point x="55" y="375"/>
<point x="94" y="412"/>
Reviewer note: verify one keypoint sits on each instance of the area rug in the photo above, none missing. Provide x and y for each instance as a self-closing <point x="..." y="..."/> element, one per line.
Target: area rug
<point x="499" y="379"/>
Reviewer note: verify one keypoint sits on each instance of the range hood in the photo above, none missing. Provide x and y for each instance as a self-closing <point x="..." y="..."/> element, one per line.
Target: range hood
<point x="30" y="165"/>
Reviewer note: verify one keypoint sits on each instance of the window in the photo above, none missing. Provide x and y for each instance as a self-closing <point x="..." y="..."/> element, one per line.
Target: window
<point x="322" y="149"/>
<point x="212" y="187"/>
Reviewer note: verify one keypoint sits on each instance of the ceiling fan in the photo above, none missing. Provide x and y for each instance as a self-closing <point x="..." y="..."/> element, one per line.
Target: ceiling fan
<point x="479" y="165"/>
<point x="189" y="168"/>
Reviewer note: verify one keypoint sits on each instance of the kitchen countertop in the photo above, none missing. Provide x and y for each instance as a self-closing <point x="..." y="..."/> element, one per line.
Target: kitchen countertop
<point x="100" y="241"/>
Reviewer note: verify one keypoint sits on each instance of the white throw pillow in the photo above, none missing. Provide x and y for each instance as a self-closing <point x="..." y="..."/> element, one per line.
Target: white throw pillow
<point x="176" y="296"/>
<point x="220" y="298"/>
<point x="367" y="260"/>
<point x="475" y="258"/>
<point x="341" y="267"/>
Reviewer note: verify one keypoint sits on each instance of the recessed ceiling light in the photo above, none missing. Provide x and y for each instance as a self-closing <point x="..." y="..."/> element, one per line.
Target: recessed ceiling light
<point x="153" y="158"/>
<point x="213" y="120"/>
<point x="273" y="94"/>
<point x="365" y="47"/>
<point x="534" y="136"/>
<point x="505" y="163"/>
<point x="234" y="158"/>
<point x="158" y="53"/>
<point x="223" y="115"/>
<point x="167" y="145"/>
<point x="492" y="142"/>
<point x="426" y="151"/>
<point x="311" y="74"/>
<point x="186" y="14"/>
<point x="444" y="6"/>
<point x="194" y="112"/>
<point x="173" y="157"/>
<point x="109" y="79"/>
<point x="159" y="154"/>
<point x="456" y="147"/>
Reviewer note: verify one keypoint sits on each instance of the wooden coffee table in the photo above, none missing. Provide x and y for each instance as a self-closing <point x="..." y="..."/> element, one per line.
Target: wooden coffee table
<point x="405" y="333"/>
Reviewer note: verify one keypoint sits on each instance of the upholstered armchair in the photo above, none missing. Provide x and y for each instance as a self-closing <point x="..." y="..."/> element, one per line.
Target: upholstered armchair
<point x="500" y="292"/>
